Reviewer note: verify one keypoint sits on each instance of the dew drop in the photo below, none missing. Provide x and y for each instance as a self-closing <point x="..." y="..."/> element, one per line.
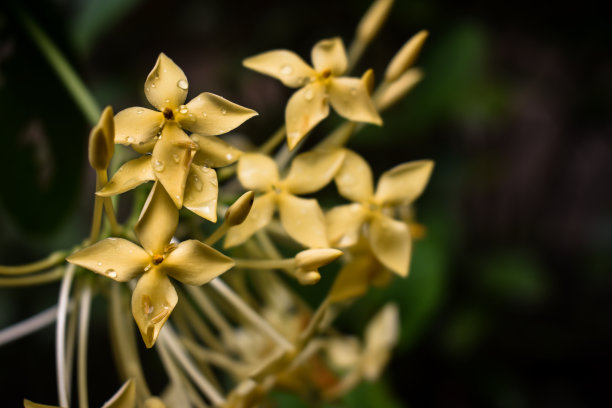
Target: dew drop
<point x="130" y="139"/>
<point x="183" y="109"/>
<point x="111" y="273"/>
<point x="139" y="111"/>
<point x="158" y="165"/>
<point x="182" y="84"/>
<point x="229" y="156"/>
<point x="167" y="100"/>
<point x="308" y="95"/>
<point x="286" y="70"/>
<point x="176" y="157"/>
<point x="99" y="263"/>
<point x="204" y="114"/>
<point x="223" y="111"/>
<point x="197" y="183"/>
<point x="353" y="91"/>
<point x="152" y="85"/>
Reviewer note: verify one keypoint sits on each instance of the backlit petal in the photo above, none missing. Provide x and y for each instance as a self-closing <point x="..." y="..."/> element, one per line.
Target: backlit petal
<point x="306" y="107"/>
<point x="351" y="99"/>
<point x="157" y="222"/>
<point x="214" y="152"/>
<point x="257" y="172"/>
<point x="344" y="224"/>
<point x="354" y="179"/>
<point x="116" y="258"/>
<point x="211" y="115"/>
<point x="137" y="126"/>
<point x="404" y="183"/>
<point x="201" y="192"/>
<point x="283" y="65"/>
<point x="330" y="55"/>
<point x="130" y="175"/>
<point x="166" y="86"/>
<point x="311" y="171"/>
<point x="153" y="300"/>
<point x="391" y="243"/>
<point x="303" y="220"/>
<point x="354" y="278"/>
<point x="195" y="263"/>
<point x="259" y="216"/>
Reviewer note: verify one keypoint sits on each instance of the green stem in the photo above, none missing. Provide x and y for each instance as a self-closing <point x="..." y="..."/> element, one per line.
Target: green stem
<point x="52" y="260"/>
<point x="277" y="138"/>
<point x="51" y="276"/>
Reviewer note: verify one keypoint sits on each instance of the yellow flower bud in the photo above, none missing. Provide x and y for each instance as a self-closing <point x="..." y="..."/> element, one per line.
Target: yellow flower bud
<point x="406" y="56"/>
<point x="398" y="88"/>
<point x="102" y="141"/>
<point x="373" y="19"/>
<point x="313" y="259"/>
<point x="238" y="211"/>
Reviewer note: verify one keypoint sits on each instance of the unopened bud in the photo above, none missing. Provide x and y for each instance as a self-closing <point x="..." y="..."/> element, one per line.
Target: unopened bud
<point x="238" y="211"/>
<point x="368" y="80"/>
<point x="373" y="19"/>
<point x="102" y="141"/>
<point x="397" y="89"/>
<point x="313" y="259"/>
<point x="307" y="277"/>
<point x="406" y="56"/>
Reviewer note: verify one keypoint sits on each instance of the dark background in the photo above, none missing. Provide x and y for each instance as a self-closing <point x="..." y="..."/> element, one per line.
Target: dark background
<point x="509" y="299"/>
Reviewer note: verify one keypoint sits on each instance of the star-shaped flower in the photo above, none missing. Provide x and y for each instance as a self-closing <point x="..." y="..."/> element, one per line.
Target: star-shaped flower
<point x="162" y="132"/>
<point x="389" y="239"/>
<point x="154" y="297"/>
<point x="302" y="218"/>
<point x="319" y="87"/>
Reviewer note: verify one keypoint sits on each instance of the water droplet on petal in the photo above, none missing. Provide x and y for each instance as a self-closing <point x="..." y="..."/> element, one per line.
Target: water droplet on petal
<point x="167" y="100"/>
<point x="99" y="263"/>
<point x="139" y="111"/>
<point x="182" y="84"/>
<point x="353" y="91"/>
<point x="130" y="139"/>
<point x="158" y="165"/>
<point x="183" y="109"/>
<point x="111" y="273"/>
<point x="204" y="114"/>
<point x="286" y="70"/>
<point x="223" y="111"/>
<point x="308" y="95"/>
<point x="197" y="183"/>
<point x="176" y="157"/>
<point x="229" y="156"/>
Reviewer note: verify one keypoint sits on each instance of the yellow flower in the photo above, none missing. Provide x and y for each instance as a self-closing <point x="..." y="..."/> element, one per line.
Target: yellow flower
<point x="389" y="239"/>
<point x="302" y="218"/>
<point x="154" y="297"/>
<point x="320" y="86"/>
<point x="161" y="131"/>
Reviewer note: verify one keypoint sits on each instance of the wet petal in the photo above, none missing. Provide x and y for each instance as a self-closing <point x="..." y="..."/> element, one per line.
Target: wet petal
<point x="116" y="258"/>
<point x="306" y="107"/>
<point x="153" y="300"/>
<point x="351" y="99"/>
<point x="201" y="192"/>
<point x="195" y="263"/>
<point x="214" y="152"/>
<point x="257" y="172"/>
<point x="303" y="220"/>
<point x="259" y="216"/>
<point x="137" y="126"/>
<point x="130" y="175"/>
<point x="404" y="183"/>
<point x="125" y="397"/>
<point x="166" y="85"/>
<point x="344" y="224"/>
<point x="354" y="179"/>
<point x="211" y="115"/>
<point x="157" y="222"/>
<point x="312" y="171"/>
<point x="283" y="65"/>
<point x="330" y="55"/>
<point x="391" y="243"/>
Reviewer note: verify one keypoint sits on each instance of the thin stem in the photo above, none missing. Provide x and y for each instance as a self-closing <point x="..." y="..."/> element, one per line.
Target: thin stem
<point x="217" y="235"/>
<point x="60" y="334"/>
<point x="313" y="325"/>
<point x="265" y="263"/>
<point x="71" y="330"/>
<point x="46" y="263"/>
<point x="28" y="326"/>
<point x="171" y="368"/>
<point x="277" y="138"/>
<point x="84" y="313"/>
<point x="102" y="179"/>
<point x="213" y="357"/>
<point x="211" y="312"/>
<point x="200" y="328"/>
<point x="96" y="220"/>
<point x="53" y="275"/>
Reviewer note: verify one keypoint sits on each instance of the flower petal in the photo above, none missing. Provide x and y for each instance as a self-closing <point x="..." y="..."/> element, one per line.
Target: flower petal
<point x="166" y="86"/>
<point x="330" y="55"/>
<point x="303" y="220"/>
<point x="172" y="160"/>
<point x="195" y="263"/>
<point x="381" y="336"/>
<point x="214" y="152"/>
<point x="137" y="126"/>
<point x="306" y="107"/>
<point x="354" y="278"/>
<point x="354" y="179"/>
<point x="391" y="243"/>
<point x="130" y="175"/>
<point x="284" y="65"/>
<point x="157" y="222"/>
<point x="257" y="172"/>
<point x="212" y="115"/>
<point x="313" y="170"/>
<point x="404" y="183"/>
<point x="351" y="99"/>
<point x="153" y="300"/>
<point x="116" y="258"/>
<point x="259" y="216"/>
<point x="344" y="224"/>
<point x="201" y="192"/>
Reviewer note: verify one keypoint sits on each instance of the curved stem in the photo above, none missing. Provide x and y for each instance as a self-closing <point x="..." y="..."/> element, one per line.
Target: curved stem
<point x="84" y="312"/>
<point x="46" y="263"/>
<point x="53" y="275"/>
<point x="265" y="263"/>
<point x="28" y="326"/>
<point x="60" y="335"/>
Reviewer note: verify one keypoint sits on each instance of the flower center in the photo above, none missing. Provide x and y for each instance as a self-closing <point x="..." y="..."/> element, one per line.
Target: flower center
<point x="168" y="114"/>
<point x="326" y="74"/>
<point x="157" y="259"/>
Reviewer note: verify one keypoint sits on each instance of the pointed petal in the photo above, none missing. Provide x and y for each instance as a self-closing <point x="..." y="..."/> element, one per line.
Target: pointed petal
<point x="351" y="99"/>
<point x="212" y="115"/>
<point x="130" y="175"/>
<point x="166" y="86"/>
<point x="354" y="179"/>
<point x="330" y="55"/>
<point x="125" y="397"/>
<point x="116" y="258"/>
<point x="214" y="152"/>
<point x="29" y="404"/>
<point x="102" y="140"/>
<point x="344" y="224"/>
<point x="391" y="243"/>
<point x="404" y="183"/>
<point x="137" y="126"/>
<point x="195" y="263"/>
<point x="380" y="337"/>
<point x="303" y="220"/>
<point x="259" y="216"/>
<point x="257" y="172"/>
<point x="283" y="65"/>
<point x="158" y="221"/>
<point x="306" y="107"/>
<point x="201" y="192"/>
<point x="153" y="300"/>
<point x="172" y="160"/>
<point x="312" y="171"/>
